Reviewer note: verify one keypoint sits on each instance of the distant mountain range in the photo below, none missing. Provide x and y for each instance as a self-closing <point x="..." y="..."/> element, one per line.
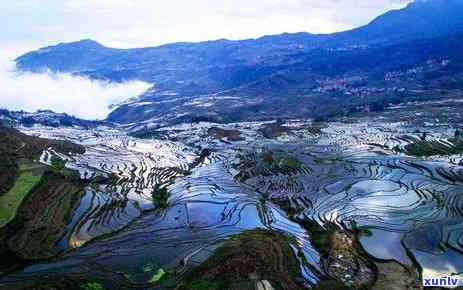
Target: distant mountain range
<point x="407" y="54"/>
<point x="45" y="118"/>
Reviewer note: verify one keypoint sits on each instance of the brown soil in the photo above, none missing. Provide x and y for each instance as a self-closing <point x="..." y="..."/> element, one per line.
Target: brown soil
<point x="245" y="259"/>
<point x="392" y="276"/>
<point x="347" y="263"/>
<point x="41" y="219"/>
<point x="219" y="133"/>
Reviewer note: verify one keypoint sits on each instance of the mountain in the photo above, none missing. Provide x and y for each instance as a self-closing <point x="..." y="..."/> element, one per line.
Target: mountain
<point x="420" y="19"/>
<point x="406" y="54"/>
<point x="46" y="118"/>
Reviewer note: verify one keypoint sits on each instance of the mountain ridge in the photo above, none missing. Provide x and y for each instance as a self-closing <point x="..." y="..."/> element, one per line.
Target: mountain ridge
<point x="270" y="68"/>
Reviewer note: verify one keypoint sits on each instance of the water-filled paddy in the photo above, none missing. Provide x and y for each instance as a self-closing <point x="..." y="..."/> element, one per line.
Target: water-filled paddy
<point x="348" y="178"/>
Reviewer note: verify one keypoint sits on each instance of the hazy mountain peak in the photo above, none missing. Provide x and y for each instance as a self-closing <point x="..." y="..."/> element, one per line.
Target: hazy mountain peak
<point x="87" y="43"/>
<point x="271" y="66"/>
<point x="80" y="44"/>
<point x="435" y="2"/>
<point x="448" y="5"/>
<point x="69" y="56"/>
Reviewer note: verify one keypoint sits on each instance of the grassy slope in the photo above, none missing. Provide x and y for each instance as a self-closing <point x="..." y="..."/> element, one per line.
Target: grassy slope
<point x="15" y="146"/>
<point x="41" y="219"/>
<point x="29" y="176"/>
<point x="245" y="259"/>
<point x="36" y="200"/>
<point x="432" y="148"/>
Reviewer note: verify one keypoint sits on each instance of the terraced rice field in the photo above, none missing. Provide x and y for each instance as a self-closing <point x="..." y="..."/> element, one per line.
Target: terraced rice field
<point x="406" y="211"/>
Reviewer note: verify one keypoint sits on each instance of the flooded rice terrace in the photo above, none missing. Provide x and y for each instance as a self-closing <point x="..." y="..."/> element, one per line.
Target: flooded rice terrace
<point x="353" y="200"/>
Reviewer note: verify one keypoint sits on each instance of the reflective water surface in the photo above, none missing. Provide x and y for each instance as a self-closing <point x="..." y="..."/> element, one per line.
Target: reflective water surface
<point x="348" y="175"/>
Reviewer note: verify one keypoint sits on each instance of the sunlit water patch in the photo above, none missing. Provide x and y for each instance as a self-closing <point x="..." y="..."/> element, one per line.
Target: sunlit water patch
<point x="137" y="169"/>
<point x="409" y="209"/>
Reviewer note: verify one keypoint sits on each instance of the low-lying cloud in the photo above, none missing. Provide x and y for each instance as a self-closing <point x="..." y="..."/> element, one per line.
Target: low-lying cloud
<point x="62" y="92"/>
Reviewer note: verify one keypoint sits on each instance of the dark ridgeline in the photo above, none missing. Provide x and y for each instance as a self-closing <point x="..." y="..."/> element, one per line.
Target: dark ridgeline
<point x="404" y="55"/>
<point x="46" y="118"/>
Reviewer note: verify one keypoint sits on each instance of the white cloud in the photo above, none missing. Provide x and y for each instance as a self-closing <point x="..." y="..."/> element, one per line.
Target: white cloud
<point x="130" y="23"/>
<point x="153" y="23"/>
<point x="62" y="92"/>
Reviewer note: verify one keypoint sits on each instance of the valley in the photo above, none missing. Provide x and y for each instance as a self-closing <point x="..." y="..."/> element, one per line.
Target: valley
<point x="405" y="55"/>
<point x="346" y="202"/>
<point x="282" y="162"/>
